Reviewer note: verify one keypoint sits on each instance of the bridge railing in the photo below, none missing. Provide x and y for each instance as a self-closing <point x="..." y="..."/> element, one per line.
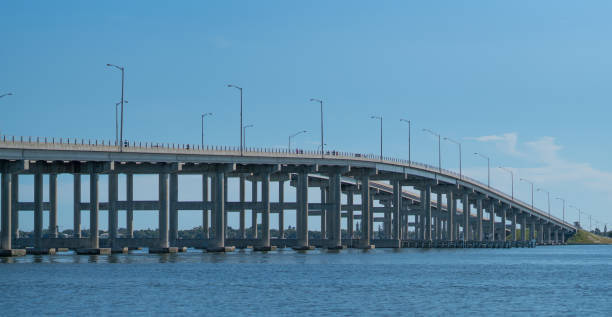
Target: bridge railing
<point x="53" y="143"/>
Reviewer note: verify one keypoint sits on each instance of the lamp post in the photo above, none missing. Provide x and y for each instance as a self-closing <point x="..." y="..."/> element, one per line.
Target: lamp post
<point x="241" y="127"/>
<point x="439" y="147"/>
<point x="122" y="69"/>
<point x="488" y="168"/>
<point x="204" y="115"/>
<point x="322" y="144"/>
<point x="458" y="144"/>
<point x="244" y="132"/>
<point x="294" y="135"/>
<point x="381" y="134"/>
<point x="117" y="121"/>
<point x="563" y="200"/>
<point x="548" y="198"/>
<point x="527" y="181"/>
<point x="409" y="132"/>
<point x="512" y="176"/>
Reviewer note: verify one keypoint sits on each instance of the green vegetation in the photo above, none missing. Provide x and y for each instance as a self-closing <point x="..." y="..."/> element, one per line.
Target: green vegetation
<point x="585" y="237"/>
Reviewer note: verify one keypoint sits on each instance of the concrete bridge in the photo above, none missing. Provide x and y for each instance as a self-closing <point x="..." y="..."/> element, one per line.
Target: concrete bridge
<point x="488" y="217"/>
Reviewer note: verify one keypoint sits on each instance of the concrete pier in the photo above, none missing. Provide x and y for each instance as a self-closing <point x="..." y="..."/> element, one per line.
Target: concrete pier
<point x="205" y="224"/>
<point x="173" y="216"/>
<point x="76" y="220"/>
<point x="15" y="206"/>
<point x="129" y="212"/>
<point x="53" y="205"/>
<point x="281" y="213"/>
<point x="163" y="211"/>
<point x="254" y="210"/>
<point x="38" y="210"/>
<point x="242" y="216"/>
<point x="94" y="208"/>
<point x="6" y="214"/>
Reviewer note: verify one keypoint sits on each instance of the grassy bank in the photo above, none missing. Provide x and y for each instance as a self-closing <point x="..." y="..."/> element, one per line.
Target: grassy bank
<point x="585" y="237"/>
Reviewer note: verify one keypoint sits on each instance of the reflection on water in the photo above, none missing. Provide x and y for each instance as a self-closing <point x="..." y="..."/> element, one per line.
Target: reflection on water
<point x="542" y="281"/>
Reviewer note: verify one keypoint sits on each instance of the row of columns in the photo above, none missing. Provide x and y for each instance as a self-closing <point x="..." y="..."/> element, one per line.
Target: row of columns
<point x="447" y="228"/>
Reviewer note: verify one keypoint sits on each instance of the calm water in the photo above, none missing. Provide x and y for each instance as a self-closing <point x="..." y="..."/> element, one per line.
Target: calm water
<point x="542" y="281"/>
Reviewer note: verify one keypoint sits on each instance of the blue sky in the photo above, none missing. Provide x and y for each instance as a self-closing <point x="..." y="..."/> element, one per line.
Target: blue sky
<point x="524" y="82"/>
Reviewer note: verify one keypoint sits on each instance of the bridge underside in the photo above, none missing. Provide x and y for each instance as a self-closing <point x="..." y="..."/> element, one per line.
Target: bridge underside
<point x="397" y="207"/>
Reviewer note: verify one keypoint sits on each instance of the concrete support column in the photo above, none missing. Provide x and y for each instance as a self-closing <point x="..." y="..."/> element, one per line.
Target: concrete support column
<point x="335" y="213"/>
<point x="438" y="223"/>
<point x="451" y="205"/>
<point x="113" y="217"/>
<point x="532" y="230"/>
<point x="242" y="193"/>
<point x="205" y="224"/>
<point x="513" y="231"/>
<point x="173" y="230"/>
<point x="397" y="205"/>
<point x="265" y="215"/>
<point x="163" y="210"/>
<point x="479" y="224"/>
<point x="503" y="221"/>
<point x="254" y="210"/>
<point x="225" y="193"/>
<point x="557" y="236"/>
<point x="541" y="233"/>
<point x="548" y="233"/>
<point x="6" y="212"/>
<point x="323" y="213"/>
<point x="15" y="206"/>
<point x="350" y="214"/>
<point x="218" y="209"/>
<point x="302" y="210"/>
<point x="492" y="220"/>
<point x="94" y="208"/>
<point x="387" y="225"/>
<point x="562" y="236"/>
<point x="38" y="210"/>
<point x="53" y="205"/>
<point x="428" y="224"/>
<point x="366" y="233"/>
<point x="281" y="212"/>
<point x="466" y="217"/>
<point x="129" y="212"/>
<point x="76" y="220"/>
<point x="524" y="227"/>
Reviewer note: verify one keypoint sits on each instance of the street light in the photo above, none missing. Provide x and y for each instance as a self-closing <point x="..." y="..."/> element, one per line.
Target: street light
<point x="204" y="115"/>
<point x="122" y="101"/>
<point x="511" y="175"/>
<point x="241" y="128"/>
<point x="244" y="132"/>
<point x="117" y="121"/>
<point x="458" y="144"/>
<point x="294" y="135"/>
<point x="409" y="128"/>
<point x="488" y="168"/>
<point x="439" y="152"/>
<point x="321" y="103"/>
<point x="548" y="197"/>
<point x="381" y="134"/>
<point x="527" y="181"/>
<point x="563" y="200"/>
